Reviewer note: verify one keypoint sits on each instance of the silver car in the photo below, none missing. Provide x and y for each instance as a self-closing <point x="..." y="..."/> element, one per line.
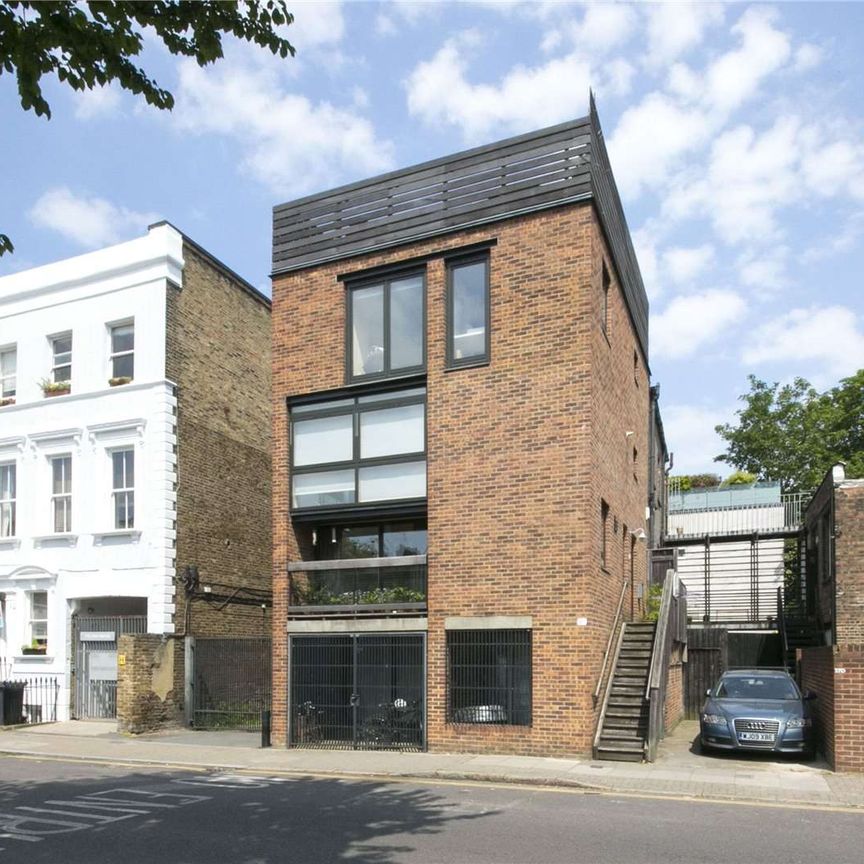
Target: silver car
<point x="757" y="710"/>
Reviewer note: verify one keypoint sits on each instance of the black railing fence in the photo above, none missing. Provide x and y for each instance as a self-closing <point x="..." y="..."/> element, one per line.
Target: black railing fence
<point x="326" y="587"/>
<point x="29" y="700"/>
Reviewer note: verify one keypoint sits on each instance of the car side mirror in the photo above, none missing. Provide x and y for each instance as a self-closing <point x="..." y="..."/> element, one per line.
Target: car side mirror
<point x="708" y="692"/>
<point x="808" y="696"/>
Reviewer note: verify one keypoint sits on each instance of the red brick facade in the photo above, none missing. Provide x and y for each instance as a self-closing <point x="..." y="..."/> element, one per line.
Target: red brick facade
<point x="520" y="454"/>
<point x="836" y="673"/>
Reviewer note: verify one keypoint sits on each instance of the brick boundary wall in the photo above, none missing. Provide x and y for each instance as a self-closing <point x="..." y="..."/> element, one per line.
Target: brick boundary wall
<point x="849" y="708"/>
<point x="817" y="674"/>
<point x="673" y="710"/>
<point x="147" y="695"/>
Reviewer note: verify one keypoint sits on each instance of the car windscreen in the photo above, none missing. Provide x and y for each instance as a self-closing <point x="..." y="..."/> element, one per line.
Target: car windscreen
<point x="756" y="687"/>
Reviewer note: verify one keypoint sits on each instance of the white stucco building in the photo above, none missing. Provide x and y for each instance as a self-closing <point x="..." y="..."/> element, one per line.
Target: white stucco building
<point x="119" y="421"/>
<point x="87" y="471"/>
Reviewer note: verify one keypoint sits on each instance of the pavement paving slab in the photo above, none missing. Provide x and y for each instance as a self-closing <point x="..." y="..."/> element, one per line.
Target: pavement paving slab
<point x="678" y="771"/>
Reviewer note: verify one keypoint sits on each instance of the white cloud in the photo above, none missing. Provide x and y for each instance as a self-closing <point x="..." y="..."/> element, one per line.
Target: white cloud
<point x="764" y="269"/>
<point x="693" y="321"/>
<point x="691" y="437"/>
<point x="645" y="244"/>
<point x="650" y="139"/>
<point x="807" y="57"/>
<point x="751" y="177"/>
<point x="838" y="242"/>
<point x="88" y="221"/>
<point x="735" y="76"/>
<point x="291" y="145"/>
<point x="686" y="263"/>
<point x="674" y="28"/>
<point x="603" y="27"/>
<point x="652" y="136"/>
<point x="315" y="24"/>
<point x="98" y="102"/>
<point x="831" y="338"/>
<point x="526" y="98"/>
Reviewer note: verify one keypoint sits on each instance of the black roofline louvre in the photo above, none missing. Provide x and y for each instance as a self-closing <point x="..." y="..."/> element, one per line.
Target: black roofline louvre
<point x="552" y="167"/>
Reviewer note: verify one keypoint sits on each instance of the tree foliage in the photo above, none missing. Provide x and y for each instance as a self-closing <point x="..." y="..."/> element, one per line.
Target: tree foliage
<point x="90" y="44"/>
<point x="795" y="434"/>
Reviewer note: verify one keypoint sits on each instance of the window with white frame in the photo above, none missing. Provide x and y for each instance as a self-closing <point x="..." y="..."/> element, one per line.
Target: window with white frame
<point x="38" y="622"/>
<point x="8" y="372"/>
<point x="123" y="350"/>
<point x="8" y="499"/>
<point x="61" y="493"/>
<point x="61" y="365"/>
<point x="123" y="464"/>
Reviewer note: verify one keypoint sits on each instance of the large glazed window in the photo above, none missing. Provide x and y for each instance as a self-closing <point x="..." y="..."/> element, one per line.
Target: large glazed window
<point x="386" y="327"/>
<point x="359" y="451"/>
<point x="468" y="311"/>
<point x="489" y="677"/>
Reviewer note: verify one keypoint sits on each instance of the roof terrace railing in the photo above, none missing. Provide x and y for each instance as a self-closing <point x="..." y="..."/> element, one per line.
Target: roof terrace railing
<point x="778" y="516"/>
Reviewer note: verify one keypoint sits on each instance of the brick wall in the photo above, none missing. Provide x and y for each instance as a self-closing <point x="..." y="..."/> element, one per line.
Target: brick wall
<point x="673" y="710"/>
<point x="849" y="563"/>
<point x="218" y="355"/>
<point x="520" y="454"/>
<point x="147" y="697"/>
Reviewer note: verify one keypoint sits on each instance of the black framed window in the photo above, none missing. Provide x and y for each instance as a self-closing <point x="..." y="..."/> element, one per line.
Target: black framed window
<point x="489" y="677"/>
<point x="468" y="311"/>
<point x="370" y="540"/>
<point x="359" y="450"/>
<point x="386" y="327"/>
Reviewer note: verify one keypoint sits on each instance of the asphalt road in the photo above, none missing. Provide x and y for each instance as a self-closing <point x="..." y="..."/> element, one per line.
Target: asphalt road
<point x="64" y="813"/>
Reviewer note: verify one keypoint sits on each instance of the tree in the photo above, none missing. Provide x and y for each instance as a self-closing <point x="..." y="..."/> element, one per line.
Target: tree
<point x="794" y="434"/>
<point x="89" y="44"/>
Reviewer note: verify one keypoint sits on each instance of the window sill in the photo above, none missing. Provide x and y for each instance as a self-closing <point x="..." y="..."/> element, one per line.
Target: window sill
<point x="133" y="534"/>
<point x="460" y="366"/>
<point x="10" y="542"/>
<point x="67" y="539"/>
<point x="28" y="658"/>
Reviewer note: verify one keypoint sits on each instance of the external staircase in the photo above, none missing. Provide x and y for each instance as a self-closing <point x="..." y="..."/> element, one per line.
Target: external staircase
<point x="624" y="721"/>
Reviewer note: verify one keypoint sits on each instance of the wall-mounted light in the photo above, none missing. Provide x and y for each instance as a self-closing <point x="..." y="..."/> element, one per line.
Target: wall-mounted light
<point x="639" y="534"/>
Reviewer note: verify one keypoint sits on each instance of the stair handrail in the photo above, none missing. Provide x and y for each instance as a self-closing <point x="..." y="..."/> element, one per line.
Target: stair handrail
<point x="781" y="624"/>
<point x="598" y="732"/>
<point x="610" y="640"/>
<point x="655" y="690"/>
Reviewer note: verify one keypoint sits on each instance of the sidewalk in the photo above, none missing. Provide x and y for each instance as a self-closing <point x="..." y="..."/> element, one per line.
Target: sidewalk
<point x="677" y="772"/>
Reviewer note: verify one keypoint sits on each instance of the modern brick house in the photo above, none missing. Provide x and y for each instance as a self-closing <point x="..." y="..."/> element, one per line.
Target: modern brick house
<point x="460" y="450"/>
<point x="143" y="450"/>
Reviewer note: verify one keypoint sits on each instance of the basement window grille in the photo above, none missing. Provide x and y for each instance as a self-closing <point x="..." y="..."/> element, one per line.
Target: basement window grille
<point x="489" y="677"/>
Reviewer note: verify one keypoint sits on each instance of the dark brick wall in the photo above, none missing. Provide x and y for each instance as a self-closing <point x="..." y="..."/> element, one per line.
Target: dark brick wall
<point x="218" y="353"/>
<point x="520" y="454"/>
<point x="849" y="563"/>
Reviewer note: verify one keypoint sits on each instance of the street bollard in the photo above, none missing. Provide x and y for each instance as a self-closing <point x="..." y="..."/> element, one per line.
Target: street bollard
<point x="265" y="728"/>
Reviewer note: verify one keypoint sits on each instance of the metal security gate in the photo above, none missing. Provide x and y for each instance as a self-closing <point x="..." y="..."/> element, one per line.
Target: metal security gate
<point x="96" y="662"/>
<point x="358" y="692"/>
<point x="230" y="682"/>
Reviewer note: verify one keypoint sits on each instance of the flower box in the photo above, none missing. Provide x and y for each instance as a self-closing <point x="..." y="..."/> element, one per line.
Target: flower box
<point x="8" y="400"/>
<point x="119" y="382"/>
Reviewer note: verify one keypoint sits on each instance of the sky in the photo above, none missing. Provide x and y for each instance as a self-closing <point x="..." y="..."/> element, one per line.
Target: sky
<point x="735" y="132"/>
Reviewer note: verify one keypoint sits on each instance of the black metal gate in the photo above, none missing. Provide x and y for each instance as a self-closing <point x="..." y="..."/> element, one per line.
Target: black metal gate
<point x="230" y="682"/>
<point x="358" y="692"/>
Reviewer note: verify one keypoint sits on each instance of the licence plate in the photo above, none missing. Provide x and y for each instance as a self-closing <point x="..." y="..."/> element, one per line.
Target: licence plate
<point x="755" y="736"/>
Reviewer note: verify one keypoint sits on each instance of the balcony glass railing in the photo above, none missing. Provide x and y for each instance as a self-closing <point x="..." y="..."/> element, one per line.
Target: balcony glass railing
<point x="361" y="586"/>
